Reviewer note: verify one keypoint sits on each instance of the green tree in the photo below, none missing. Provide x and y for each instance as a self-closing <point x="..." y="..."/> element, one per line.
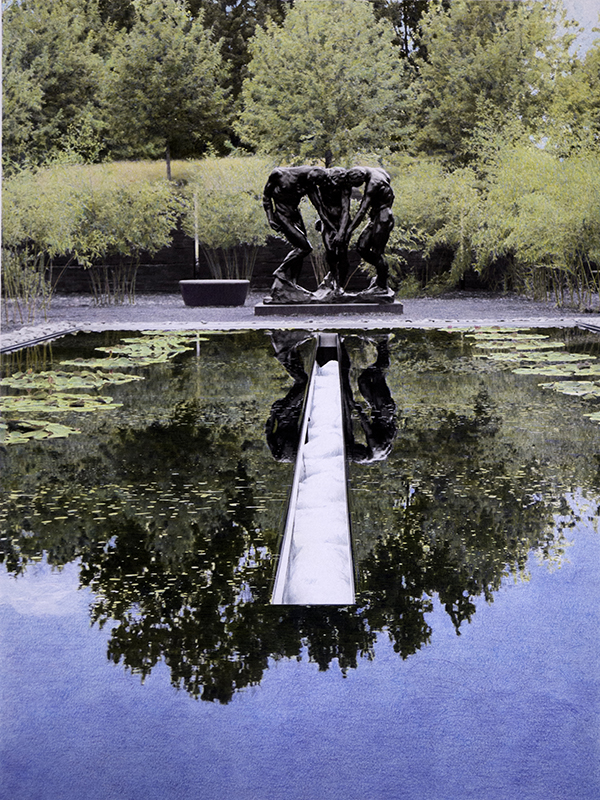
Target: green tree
<point x="405" y="16"/>
<point x="494" y="61"/>
<point x="328" y="81"/>
<point x="165" y="84"/>
<point x="234" y="22"/>
<point x="119" y="13"/>
<point x="575" y="115"/>
<point x="52" y="70"/>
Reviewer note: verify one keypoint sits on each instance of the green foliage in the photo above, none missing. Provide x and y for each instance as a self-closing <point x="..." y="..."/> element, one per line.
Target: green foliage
<point x="521" y="217"/>
<point x="52" y="72"/>
<point x="164" y="85"/>
<point x="574" y="123"/>
<point x="39" y="215"/>
<point x="326" y="84"/>
<point x="493" y="61"/>
<point x="405" y="16"/>
<point x="86" y="214"/>
<point x="223" y="212"/>
<point x="233" y="23"/>
<point x="543" y="213"/>
<point x="434" y="208"/>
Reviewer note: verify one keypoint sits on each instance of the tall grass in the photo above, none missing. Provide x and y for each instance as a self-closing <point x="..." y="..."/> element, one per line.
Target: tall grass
<point x="104" y="216"/>
<point x="529" y="221"/>
<point x="222" y="210"/>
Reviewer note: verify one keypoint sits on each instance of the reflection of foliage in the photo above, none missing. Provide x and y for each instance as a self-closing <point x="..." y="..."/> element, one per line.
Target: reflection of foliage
<point x="462" y="520"/>
<point x="524" y="349"/>
<point x="173" y="508"/>
<point x="52" y="389"/>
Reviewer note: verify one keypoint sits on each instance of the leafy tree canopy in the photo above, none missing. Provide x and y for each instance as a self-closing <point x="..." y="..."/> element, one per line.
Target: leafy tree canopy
<point x="165" y="84"/>
<point x="234" y="22"/>
<point x="52" y="70"/>
<point x="575" y="117"/>
<point x="405" y="16"/>
<point x="327" y="81"/>
<point x="494" y="60"/>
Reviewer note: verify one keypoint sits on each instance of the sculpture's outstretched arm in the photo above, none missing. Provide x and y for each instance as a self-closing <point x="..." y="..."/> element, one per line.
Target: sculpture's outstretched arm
<point x="314" y="195"/>
<point x="360" y="214"/>
<point x="267" y="202"/>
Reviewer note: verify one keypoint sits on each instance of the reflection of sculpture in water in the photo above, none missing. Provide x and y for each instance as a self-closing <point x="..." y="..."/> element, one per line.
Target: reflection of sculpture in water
<point x="193" y="591"/>
<point x="379" y="424"/>
<point x="330" y="191"/>
<point x="283" y="426"/>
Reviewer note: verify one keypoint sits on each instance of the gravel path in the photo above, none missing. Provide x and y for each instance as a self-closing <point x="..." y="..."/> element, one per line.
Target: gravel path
<point x="167" y="312"/>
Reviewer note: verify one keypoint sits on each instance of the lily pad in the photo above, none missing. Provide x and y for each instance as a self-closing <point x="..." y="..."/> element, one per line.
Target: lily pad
<point x="152" y="349"/>
<point x="140" y="351"/>
<point x="102" y="363"/>
<point x="21" y="432"/>
<point x="57" y="403"/>
<point x="560" y="370"/>
<point x="61" y="381"/>
<point x="540" y="356"/>
<point x="506" y="335"/>
<point x="518" y="346"/>
<point x="586" y="389"/>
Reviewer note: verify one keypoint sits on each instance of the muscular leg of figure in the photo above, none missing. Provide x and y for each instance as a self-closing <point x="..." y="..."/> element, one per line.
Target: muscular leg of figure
<point x="293" y="228"/>
<point x="336" y="255"/>
<point x="371" y="247"/>
<point x="285" y="288"/>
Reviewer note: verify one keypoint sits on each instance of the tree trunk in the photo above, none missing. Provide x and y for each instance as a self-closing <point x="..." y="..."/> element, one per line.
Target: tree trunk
<point x="168" y="159"/>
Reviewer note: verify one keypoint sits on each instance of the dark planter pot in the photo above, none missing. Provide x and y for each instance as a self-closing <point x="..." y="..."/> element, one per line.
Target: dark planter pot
<point x="214" y="292"/>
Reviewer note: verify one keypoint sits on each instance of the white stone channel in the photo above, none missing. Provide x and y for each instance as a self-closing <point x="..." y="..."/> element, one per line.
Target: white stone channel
<point x="316" y="566"/>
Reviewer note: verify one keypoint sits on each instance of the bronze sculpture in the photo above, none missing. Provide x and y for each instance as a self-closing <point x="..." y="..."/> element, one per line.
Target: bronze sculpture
<point x="281" y="199"/>
<point x="377" y="201"/>
<point x="330" y="190"/>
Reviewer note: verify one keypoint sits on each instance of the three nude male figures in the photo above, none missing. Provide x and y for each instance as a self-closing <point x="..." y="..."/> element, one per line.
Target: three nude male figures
<point x="330" y="191"/>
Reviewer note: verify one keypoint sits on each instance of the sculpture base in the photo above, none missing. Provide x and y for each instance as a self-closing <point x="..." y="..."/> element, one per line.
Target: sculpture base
<point x="326" y="309"/>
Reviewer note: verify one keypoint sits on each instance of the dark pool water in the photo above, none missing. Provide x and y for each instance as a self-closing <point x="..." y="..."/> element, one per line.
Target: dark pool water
<point x="141" y="657"/>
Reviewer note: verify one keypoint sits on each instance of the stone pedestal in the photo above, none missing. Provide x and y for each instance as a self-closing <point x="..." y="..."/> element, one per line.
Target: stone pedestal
<point x="326" y="309"/>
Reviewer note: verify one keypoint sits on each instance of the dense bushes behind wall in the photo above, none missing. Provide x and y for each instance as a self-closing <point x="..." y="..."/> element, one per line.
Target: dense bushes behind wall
<point x="163" y="271"/>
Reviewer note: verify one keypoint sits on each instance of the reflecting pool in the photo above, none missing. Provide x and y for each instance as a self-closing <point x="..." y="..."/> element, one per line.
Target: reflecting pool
<point x="145" y="480"/>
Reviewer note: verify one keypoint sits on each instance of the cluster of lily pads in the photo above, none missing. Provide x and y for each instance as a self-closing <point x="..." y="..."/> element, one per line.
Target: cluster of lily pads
<point x="538" y="354"/>
<point x="55" y="392"/>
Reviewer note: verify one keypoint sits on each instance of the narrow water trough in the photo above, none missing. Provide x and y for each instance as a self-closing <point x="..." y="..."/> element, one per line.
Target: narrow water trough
<point x="315" y="565"/>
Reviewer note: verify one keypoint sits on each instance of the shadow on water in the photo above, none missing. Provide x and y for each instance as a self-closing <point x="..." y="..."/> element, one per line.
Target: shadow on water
<point x="173" y="503"/>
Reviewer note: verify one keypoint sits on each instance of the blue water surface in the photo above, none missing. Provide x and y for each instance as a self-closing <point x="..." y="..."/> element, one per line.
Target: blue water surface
<point x="509" y="709"/>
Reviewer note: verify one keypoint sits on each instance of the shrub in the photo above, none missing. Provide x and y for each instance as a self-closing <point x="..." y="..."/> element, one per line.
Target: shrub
<point x="222" y="210"/>
<point x="85" y="214"/>
<point x="543" y="214"/>
<point x="434" y="209"/>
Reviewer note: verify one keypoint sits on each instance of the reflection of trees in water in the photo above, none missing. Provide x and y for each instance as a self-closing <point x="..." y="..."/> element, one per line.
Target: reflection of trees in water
<point x="453" y="509"/>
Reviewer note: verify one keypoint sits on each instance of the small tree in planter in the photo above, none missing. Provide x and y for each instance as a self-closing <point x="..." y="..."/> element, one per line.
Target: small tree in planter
<point x="223" y="213"/>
